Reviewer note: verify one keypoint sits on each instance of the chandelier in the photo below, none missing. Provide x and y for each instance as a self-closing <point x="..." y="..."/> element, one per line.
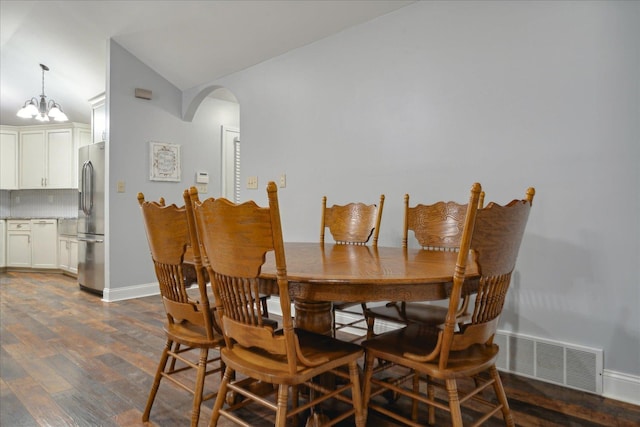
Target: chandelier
<point x="42" y="110"/>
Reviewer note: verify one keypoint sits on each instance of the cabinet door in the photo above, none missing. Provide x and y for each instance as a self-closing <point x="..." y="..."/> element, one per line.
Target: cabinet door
<point x="44" y="250"/>
<point x="98" y="120"/>
<point x="3" y="256"/>
<point x="19" y="249"/>
<point x="73" y="255"/>
<point x="63" y="253"/>
<point x="8" y="160"/>
<point x="32" y="159"/>
<point x="60" y="163"/>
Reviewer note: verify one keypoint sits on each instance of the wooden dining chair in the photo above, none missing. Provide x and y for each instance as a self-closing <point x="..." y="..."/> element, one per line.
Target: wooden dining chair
<point x="351" y="224"/>
<point x="237" y="239"/>
<point x="445" y="355"/>
<point x="190" y="327"/>
<point x="436" y="227"/>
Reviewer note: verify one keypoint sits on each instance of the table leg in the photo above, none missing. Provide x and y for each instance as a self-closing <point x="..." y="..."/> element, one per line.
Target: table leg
<point x="314" y="316"/>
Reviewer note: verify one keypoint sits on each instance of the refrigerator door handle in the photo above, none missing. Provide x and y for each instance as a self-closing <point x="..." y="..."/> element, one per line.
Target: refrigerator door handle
<point x="83" y="190"/>
<point x="87" y="187"/>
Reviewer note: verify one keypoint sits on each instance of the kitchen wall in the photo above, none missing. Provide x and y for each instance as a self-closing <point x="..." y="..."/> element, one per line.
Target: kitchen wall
<point x="62" y="203"/>
<point x="426" y="100"/>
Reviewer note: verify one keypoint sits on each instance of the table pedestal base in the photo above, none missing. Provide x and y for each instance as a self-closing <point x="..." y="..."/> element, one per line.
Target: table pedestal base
<point x="314" y="316"/>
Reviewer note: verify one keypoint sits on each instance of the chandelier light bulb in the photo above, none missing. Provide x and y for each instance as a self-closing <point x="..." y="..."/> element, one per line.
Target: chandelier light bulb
<point x="42" y="110"/>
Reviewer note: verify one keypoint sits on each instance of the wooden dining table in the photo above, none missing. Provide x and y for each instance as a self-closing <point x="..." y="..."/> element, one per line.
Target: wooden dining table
<point x="321" y="273"/>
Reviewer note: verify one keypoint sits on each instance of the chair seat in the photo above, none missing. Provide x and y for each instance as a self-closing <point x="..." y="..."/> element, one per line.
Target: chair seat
<point x="408" y="313"/>
<point x="328" y="351"/>
<point x="191" y="335"/>
<point x="420" y="340"/>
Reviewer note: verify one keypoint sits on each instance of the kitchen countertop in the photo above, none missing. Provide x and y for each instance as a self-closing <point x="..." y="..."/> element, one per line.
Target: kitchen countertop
<point x="37" y="217"/>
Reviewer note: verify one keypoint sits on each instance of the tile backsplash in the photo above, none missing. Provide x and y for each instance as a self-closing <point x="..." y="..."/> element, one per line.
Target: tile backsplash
<point x="39" y="203"/>
<point x="5" y="203"/>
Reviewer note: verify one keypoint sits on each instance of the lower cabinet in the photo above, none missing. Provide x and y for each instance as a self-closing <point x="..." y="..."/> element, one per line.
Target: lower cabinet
<point x="32" y="243"/>
<point x="19" y="243"/>
<point x="3" y="244"/>
<point x="44" y="251"/>
<point x="68" y="254"/>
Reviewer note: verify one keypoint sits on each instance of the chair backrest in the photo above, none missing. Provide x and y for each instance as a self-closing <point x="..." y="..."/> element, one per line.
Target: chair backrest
<point x="236" y="239"/>
<point x="493" y="235"/>
<point x="169" y="238"/>
<point x="352" y="224"/>
<point x="437" y="226"/>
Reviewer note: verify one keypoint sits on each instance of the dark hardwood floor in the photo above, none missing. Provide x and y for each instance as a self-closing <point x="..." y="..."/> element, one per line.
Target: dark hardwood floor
<point x="69" y="359"/>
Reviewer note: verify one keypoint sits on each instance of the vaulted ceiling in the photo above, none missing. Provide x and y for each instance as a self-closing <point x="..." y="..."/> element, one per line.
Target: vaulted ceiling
<point x="187" y="42"/>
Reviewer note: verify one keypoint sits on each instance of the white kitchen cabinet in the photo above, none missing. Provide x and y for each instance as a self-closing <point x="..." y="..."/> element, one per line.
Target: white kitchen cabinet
<point x="44" y="248"/>
<point x="8" y="158"/>
<point x="98" y="118"/>
<point x="73" y="255"/>
<point x="68" y="254"/>
<point x="19" y="243"/>
<point x="60" y="166"/>
<point x="46" y="159"/>
<point x="32" y="159"/>
<point x="48" y="155"/>
<point x="3" y="243"/>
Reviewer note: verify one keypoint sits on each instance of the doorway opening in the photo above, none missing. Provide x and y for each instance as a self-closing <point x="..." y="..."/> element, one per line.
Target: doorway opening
<point x="230" y="163"/>
<point x="219" y="108"/>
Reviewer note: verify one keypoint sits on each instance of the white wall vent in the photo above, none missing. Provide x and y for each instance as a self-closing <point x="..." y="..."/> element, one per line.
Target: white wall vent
<point x="551" y="361"/>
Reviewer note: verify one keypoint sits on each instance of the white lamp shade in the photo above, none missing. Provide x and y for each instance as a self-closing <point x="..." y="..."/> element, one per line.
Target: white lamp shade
<point x="54" y="112"/>
<point x="28" y="111"/>
<point x="60" y="117"/>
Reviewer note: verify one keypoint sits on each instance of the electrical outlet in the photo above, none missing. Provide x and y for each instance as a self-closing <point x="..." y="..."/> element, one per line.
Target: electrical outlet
<point x="252" y="182"/>
<point x="121" y="187"/>
<point x="202" y="188"/>
<point x="283" y="180"/>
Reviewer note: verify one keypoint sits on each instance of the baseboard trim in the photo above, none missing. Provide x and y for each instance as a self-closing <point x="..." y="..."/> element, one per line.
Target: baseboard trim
<point x="130" y="292"/>
<point x="621" y="386"/>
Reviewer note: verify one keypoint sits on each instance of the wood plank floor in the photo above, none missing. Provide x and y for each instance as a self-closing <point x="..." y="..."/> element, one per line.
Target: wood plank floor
<point x="69" y="359"/>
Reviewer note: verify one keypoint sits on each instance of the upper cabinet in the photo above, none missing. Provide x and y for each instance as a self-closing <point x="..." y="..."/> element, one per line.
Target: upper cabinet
<point x="8" y="158"/>
<point x="46" y="156"/>
<point x="98" y="118"/>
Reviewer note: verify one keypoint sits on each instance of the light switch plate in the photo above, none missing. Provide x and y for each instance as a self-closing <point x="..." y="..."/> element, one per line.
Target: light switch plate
<point x="252" y="182"/>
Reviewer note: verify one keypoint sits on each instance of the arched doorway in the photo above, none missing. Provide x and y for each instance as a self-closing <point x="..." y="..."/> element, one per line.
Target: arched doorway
<point x="221" y="108"/>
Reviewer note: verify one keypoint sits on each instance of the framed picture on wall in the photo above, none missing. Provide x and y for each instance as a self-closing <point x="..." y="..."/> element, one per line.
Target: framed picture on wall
<point x="165" y="161"/>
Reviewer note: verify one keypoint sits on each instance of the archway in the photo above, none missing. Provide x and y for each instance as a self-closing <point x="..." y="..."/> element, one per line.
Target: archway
<point x="221" y="109"/>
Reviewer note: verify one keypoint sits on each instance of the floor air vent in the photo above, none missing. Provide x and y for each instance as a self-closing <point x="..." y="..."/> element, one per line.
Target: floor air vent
<point x="551" y="361"/>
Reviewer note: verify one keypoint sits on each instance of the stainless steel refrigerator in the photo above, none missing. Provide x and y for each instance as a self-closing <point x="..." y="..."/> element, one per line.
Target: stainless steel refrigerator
<point x="91" y="208"/>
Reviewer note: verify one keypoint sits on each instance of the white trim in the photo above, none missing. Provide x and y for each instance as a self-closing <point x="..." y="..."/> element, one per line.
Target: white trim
<point x="130" y="292"/>
<point x="621" y="386"/>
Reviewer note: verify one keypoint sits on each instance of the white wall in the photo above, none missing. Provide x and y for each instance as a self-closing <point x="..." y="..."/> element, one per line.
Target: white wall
<point x="427" y="100"/>
<point x="437" y="95"/>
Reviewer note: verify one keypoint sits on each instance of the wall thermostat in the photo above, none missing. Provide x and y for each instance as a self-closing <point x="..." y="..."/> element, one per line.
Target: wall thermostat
<point x="202" y="177"/>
